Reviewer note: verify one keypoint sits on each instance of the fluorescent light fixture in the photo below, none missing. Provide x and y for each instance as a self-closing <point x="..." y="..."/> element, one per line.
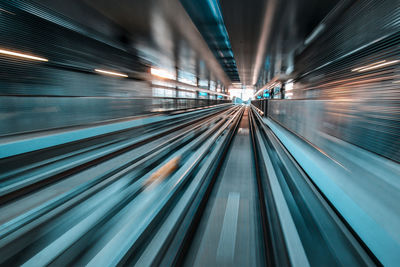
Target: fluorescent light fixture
<point x="21" y="55"/>
<point x="111" y="73"/>
<point x="370" y="65"/>
<point x="379" y="65"/>
<point x="237" y="85"/>
<point x="162" y="74"/>
<point x="375" y="65"/>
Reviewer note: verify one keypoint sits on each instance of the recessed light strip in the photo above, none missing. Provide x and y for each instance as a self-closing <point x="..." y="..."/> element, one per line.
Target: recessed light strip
<point x="111" y="73"/>
<point x="162" y="73"/>
<point x="379" y="66"/>
<point x="370" y="65"/>
<point x="21" y="55"/>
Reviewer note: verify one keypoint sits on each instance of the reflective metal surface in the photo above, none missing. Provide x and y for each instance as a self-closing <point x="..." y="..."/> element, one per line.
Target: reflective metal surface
<point x="95" y="69"/>
<point x="368" y="124"/>
<point x="199" y="132"/>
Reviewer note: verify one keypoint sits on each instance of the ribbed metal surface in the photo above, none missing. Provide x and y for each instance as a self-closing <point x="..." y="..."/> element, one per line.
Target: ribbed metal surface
<point x="63" y="91"/>
<point x="63" y="46"/>
<point x="208" y="19"/>
<point x="66" y="91"/>
<point x="363" y="23"/>
<point x="355" y="64"/>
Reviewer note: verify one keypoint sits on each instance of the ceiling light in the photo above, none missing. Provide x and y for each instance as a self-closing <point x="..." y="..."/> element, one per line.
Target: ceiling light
<point x="379" y="65"/>
<point x="111" y="73"/>
<point x="162" y="74"/>
<point x="21" y="55"/>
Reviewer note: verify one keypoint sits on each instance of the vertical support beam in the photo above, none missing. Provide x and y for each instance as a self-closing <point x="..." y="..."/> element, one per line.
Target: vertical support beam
<point x="209" y="95"/>
<point x="197" y="92"/>
<point x="176" y="75"/>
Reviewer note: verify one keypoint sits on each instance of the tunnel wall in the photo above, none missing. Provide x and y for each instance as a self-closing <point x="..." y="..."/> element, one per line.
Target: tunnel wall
<point x="357" y="122"/>
<point x="332" y="95"/>
<point x="66" y="90"/>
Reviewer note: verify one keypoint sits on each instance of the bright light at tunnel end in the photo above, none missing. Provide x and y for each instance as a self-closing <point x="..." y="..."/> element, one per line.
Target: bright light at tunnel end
<point x="21" y="55"/>
<point x="244" y="94"/>
<point x="112" y="73"/>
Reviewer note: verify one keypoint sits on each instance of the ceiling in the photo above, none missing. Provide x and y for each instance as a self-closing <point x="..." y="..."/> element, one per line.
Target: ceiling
<point x="261" y="30"/>
<point x="238" y="41"/>
<point x="208" y="19"/>
<point x="165" y="32"/>
<point x="244" y="21"/>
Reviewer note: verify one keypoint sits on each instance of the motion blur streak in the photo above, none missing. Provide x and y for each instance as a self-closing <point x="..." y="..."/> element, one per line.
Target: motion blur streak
<point x="200" y="133"/>
<point x="112" y="73"/>
<point x="373" y="64"/>
<point x="162" y="73"/>
<point x="378" y="66"/>
<point x="21" y="55"/>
